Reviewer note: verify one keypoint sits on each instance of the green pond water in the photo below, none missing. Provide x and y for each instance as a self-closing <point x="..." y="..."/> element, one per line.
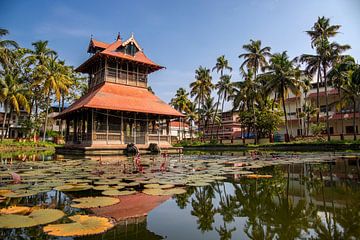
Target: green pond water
<point x="309" y="195"/>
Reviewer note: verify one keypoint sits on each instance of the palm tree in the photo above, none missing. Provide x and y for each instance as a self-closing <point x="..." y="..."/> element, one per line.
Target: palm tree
<point x="245" y="95"/>
<point x="255" y="56"/>
<point x="53" y="77"/>
<point x="208" y="111"/>
<point x="313" y="66"/>
<point x="181" y="100"/>
<point x="225" y="89"/>
<point x="202" y="86"/>
<point x="221" y="65"/>
<point x="350" y="85"/>
<point x="282" y="76"/>
<point x="191" y="116"/>
<point x="254" y="59"/>
<point x="328" y="52"/>
<point x="5" y="49"/>
<point x="13" y="97"/>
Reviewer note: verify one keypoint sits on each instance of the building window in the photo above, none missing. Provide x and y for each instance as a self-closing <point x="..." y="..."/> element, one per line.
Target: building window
<point x="350" y="129"/>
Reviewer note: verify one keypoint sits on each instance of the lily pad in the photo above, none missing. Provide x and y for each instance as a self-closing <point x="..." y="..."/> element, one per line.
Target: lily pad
<point x="73" y="187"/>
<point x="37" y="217"/>
<point x="83" y="225"/>
<point x="93" y="202"/>
<point x="15" y="210"/>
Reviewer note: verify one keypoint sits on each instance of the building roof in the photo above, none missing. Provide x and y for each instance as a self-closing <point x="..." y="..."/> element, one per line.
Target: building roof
<point x="119" y="97"/>
<point x="333" y="91"/>
<point x="177" y="124"/>
<point x="338" y="116"/>
<point x="111" y="50"/>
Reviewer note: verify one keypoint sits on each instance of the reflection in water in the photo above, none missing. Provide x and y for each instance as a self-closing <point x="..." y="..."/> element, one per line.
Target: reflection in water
<point x="300" y="201"/>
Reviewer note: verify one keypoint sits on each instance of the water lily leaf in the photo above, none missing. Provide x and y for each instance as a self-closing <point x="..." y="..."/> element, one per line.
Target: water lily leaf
<point x="15" y="210"/>
<point x="44" y="216"/>
<point x="162" y="192"/>
<point x="83" y="225"/>
<point x="20" y="193"/>
<point x="37" y="217"/>
<point x="73" y="187"/>
<point x="4" y="191"/>
<point x="257" y="176"/>
<point x="102" y="187"/>
<point x="93" y="202"/>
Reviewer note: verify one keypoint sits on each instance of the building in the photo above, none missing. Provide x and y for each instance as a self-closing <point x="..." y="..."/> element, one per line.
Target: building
<point x="180" y="131"/>
<point x="13" y="123"/>
<point x="228" y="129"/>
<point x="340" y="119"/>
<point x="118" y="108"/>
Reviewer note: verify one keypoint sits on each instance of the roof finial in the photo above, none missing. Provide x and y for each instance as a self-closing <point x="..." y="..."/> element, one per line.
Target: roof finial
<point x="118" y="36"/>
<point x="91" y="37"/>
<point x="132" y="34"/>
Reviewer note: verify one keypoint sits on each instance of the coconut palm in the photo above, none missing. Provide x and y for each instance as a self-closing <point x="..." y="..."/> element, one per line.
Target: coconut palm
<point x="313" y="66"/>
<point x="207" y="111"/>
<point x="282" y="76"/>
<point x="221" y="65"/>
<point x="191" y="116"/>
<point x="351" y="86"/>
<point x="181" y="100"/>
<point x="13" y="97"/>
<point x="202" y="86"/>
<point x="328" y="52"/>
<point x="6" y="47"/>
<point x="54" y="78"/>
<point x="225" y="89"/>
<point x="255" y="59"/>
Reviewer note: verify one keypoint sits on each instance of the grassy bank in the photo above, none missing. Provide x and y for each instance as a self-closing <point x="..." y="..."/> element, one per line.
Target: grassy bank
<point x="12" y="145"/>
<point x="295" y="145"/>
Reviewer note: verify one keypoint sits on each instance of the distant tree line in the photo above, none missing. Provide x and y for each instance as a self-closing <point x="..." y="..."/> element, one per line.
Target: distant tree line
<point x="267" y="78"/>
<point x="33" y="80"/>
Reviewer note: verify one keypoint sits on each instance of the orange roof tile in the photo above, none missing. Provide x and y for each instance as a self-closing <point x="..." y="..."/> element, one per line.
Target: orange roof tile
<point x="176" y="124"/>
<point x="110" y="50"/>
<point x="99" y="44"/>
<point x="322" y="94"/>
<point x="122" y="98"/>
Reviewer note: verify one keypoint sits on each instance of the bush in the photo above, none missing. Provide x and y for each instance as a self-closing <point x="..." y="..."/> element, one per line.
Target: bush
<point x="317" y="129"/>
<point x="51" y="133"/>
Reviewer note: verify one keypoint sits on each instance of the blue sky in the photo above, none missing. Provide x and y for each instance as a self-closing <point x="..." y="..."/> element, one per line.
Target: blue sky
<point x="180" y="35"/>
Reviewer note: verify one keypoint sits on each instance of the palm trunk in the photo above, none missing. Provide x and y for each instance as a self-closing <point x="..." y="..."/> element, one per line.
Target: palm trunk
<point x="254" y="113"/>
<point x="327" y="105"/>
<point x="46" y="116"/>
<point x="284" y="109"/>
<point x="317" y="96"/>
<point x="213" y="121"/>
<point x="4" y="122"/>
<point x="222" y="110"/>
<point x="354" y="115"/>
<point x="7" y="133"/>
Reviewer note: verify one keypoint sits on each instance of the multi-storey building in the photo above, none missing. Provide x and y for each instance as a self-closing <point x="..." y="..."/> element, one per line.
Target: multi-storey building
<point x="228" y="129"/>
<point x="340" y="118"/>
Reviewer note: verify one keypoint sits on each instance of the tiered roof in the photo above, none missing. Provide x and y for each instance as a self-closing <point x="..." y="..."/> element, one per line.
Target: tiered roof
<point x="112" y="49"/>
<point x="118" y="97"/>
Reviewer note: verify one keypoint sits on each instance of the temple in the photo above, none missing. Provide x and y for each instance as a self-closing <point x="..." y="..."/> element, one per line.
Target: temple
<point x="118" y="108"/>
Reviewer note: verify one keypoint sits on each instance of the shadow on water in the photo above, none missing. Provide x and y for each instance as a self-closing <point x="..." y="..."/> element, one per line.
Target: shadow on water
<point x="301" y="200"/>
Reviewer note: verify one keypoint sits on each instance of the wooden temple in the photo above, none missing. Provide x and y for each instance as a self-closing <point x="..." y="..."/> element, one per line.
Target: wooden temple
<point x="118" y="108"/>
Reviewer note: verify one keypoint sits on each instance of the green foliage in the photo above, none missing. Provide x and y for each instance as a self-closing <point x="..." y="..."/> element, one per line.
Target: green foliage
<point x="318" y="128"/>
<point x="51" y="133"/>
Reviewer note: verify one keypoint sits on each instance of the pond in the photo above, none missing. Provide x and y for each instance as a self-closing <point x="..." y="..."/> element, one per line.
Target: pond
<point x="233" y="195"/>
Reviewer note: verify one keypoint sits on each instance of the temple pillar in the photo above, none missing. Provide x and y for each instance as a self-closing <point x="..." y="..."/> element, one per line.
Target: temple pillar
<point x="159" y="129"/>
<point x="147" y="130"/>
<point x="122" y="128"/>
<point x="75" y="129"/>
<point x="67" y="130"/>
<point x="107" y="126"/>
<point x="135" y="128"/>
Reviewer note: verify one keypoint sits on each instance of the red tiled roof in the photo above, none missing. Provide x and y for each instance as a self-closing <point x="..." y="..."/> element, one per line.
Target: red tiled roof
<point x="322" y="94"/>
<point x="110" y="50"/>
<point x="176" y="124"/>
<point x="118" y="97"/>
<point x="338" y="116"/>
<point x="96" y="43"/>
